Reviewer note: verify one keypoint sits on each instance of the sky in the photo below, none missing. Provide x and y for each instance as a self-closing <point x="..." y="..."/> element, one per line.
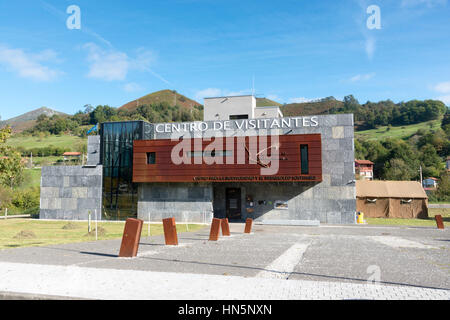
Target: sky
<point x="116" y="51"/>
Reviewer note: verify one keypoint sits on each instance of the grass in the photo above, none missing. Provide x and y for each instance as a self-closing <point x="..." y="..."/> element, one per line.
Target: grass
<point x="52" y="232"/>
<point x="401" y="132"/>
<point x="29" y="142"/>
<point x="430" y="222"/>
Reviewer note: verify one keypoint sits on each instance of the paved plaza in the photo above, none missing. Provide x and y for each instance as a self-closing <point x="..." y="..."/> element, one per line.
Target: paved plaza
<point x="273" y="262"/>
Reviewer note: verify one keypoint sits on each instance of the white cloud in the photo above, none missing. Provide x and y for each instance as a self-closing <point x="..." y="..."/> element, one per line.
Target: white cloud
<point x="362" y="77"/>
<point x="29" y="65"/>
<point x="443" y="87"/>
<point x="113" y="65"/>
<point x="132" y="87"/>
<point x="207" y="93"/>
<point x="444" y="99"/>
<point x="302" y="100"/>
<point x="107" y="65"/>
<point x="273" y="97"/>
<point x="370" y="47"/>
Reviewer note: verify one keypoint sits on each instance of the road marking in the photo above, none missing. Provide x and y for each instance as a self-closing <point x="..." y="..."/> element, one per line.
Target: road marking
<point x="284" y="265"/>
<point x="397" y="242"/>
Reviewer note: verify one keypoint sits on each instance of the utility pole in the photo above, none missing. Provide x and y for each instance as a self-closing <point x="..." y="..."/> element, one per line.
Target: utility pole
<point x="421" y="179"/>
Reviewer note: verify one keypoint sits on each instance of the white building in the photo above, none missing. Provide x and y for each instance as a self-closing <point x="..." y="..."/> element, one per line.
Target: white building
<point x="236" y="108"/>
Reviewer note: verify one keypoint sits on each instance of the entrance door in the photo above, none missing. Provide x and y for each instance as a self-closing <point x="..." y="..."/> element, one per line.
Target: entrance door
<point x="233" y="203"/>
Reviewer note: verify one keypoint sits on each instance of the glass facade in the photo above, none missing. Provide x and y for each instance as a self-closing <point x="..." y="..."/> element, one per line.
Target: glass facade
<point x="119" y="192"/>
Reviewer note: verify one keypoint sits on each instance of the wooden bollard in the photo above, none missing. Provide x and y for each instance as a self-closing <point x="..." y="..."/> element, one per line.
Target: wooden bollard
<point x="439" y="221"/>
<point x="170" y="232"/>
<point x="215" y="230"/>
<point x="225" y="228"/>
<point x="130" y="239"/>
<point x="248" y="225"/>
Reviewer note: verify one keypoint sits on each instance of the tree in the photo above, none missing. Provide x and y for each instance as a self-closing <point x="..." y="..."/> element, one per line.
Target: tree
<point x="397" y="169"/>
<point x="11" y="166"/>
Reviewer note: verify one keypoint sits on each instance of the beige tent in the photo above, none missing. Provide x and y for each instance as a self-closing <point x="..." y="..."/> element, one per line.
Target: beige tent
<point x="391" y="199"/>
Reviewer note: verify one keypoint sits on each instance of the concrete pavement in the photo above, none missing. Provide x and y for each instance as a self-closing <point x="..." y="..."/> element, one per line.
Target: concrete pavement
<point x="274" y="262"/>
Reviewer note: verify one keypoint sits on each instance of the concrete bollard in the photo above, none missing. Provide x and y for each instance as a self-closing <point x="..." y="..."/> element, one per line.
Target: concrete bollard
<point x="439" y="222"/>
<point x="215" y="230"/>
<point x="170" y="232"/>
<point x="225" y="228"/>
<point x="130" y="240"/>
<point x="248" y="225"/>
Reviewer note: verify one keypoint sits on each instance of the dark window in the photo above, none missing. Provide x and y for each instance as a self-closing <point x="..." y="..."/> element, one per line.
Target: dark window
<point x="151" y="157"/>
<point x="304" y="159"/>
<point x="238" y="116"/>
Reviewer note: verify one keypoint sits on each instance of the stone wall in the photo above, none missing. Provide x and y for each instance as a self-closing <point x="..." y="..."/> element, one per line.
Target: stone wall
<point x="70" y="192"/>
<point x="184" y="201"/>
<point x="93" y="151"/>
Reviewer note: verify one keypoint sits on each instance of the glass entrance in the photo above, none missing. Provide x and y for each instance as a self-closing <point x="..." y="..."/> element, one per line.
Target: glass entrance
<point x="233" y="203"/>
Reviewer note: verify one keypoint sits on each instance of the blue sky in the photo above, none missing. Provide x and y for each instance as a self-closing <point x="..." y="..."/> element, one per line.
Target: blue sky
<point x="295" y="50"/>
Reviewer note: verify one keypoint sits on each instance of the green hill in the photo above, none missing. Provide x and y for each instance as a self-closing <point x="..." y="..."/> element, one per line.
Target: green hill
<point x="322" y="106"/>
<point x="400" y="132"/>
<point x="169" y="96"/>
<point x="264" y="102"/>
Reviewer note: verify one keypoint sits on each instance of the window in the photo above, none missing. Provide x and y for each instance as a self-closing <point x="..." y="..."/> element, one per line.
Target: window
<point x="151" y="157"/>
<point x="304" y="159"/>
<point x="238" y="116"/>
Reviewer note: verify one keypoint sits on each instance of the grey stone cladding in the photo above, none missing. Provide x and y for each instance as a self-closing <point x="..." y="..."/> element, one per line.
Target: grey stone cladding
<point x="70" y="192"/>
<point x="185" y="202"/>
<point x="331" y="201"/>
<point x="93" y="151"/>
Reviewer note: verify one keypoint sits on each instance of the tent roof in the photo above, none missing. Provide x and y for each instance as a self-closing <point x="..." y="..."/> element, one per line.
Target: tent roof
<point x="389" y="189"/>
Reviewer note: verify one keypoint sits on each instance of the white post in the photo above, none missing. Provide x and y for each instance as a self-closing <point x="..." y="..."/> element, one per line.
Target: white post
<point x="149" y="223"/>
<point x="89" y="222"/>
<point x="6" y="213"/>
<point x="96" y="228"/>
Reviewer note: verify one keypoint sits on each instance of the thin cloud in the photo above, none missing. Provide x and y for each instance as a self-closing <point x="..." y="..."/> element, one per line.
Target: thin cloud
<point x="445" y="99"/>
<point x="28" y="65"/>
<point x="113" y="65"/>
<point x="443" y="87"/>
<point x="303" y="100"/>
<point x="106" y="65"/>
<point x="132" y="87"/>
<point x="362" y="77"/>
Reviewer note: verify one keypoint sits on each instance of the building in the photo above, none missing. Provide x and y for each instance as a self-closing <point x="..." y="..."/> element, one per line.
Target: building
<point x="430" y="184"/>
<point x="391" y="199"/>
<point x="364" y="169"/>
<point x="241" y="162"/>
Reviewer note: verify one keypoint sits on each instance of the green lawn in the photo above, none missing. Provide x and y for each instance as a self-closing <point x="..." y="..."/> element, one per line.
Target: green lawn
<point x="29" y="142"/>
<point x="430" y="222"/>
<point x="52" y="232"/>
<point x="400" y="132"/>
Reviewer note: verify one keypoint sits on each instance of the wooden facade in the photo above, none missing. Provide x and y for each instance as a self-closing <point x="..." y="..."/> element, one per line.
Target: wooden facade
<point x="243" y="159"/>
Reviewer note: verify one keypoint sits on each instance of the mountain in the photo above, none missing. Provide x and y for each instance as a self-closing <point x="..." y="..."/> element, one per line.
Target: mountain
<point x="169" y="96"/>
<point x="28" y="120"/>
<point x="317" y="107"/>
